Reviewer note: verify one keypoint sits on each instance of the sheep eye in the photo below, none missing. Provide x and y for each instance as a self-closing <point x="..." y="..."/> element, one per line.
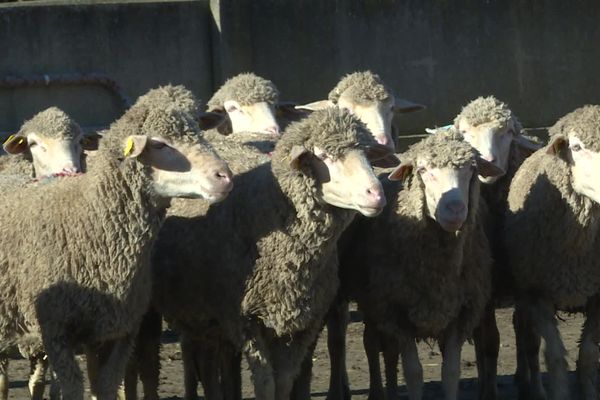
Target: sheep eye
<point x="155" y="144"/>
<point x="575" y="147"/>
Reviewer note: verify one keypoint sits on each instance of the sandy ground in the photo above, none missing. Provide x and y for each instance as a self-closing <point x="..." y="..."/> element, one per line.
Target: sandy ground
<point x="171" y="386"/>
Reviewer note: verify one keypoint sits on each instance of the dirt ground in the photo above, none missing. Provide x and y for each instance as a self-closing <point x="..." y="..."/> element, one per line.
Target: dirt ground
<point x="171" y="386"/>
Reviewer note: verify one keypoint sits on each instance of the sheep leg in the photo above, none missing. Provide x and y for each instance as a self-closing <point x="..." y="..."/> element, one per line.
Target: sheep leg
<point x="413" y="370"/>
<point x="37" y="377"/>
<point x="131" y="377"/>
<point x="337" y="325"/>
<point x="451" y="347"/>
<point x="487" y="345"/>
<point x="528" y="376"/>
<point x="261" y="368"/>
<point x="391" y="354"/>
<point x="112" y="356"/>
<point x="147" y="354"/>
<point x="190" y="354"/>
<point x="541" y="315"/>
<point x="54" y="385"/>
<point x="372" y="347"/>
<point x="231" y="372"/>
<point x="301" y="390"/>
<point x="62" y="357"/>
<point x="207" y="366"/>
<point x="587" y="362"/>
<point x="3" y="377"/>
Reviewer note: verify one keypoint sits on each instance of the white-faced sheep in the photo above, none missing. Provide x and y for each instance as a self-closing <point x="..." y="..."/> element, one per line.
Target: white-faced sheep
<point x="273" y="279"/>
<point x="365" y="95"/>
<point x="551" y="229"/>
<point x="247" y="103"/>
<point x="494" y="131"/>
<point x="422" y="268"/>
<point x="85" y="279"/>
<point x="49" y="144"/>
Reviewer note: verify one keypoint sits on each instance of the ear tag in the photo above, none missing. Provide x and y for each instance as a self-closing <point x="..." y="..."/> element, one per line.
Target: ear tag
<point x="128" y="147"/>
<point x="9" y="139"/>
<point x="20" y="141"/>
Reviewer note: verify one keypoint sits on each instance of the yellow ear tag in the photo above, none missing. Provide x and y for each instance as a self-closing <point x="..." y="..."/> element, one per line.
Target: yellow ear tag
<point x="20" y="141"/>
<point x="128" y="147"/>
<point x="9" y="139"/>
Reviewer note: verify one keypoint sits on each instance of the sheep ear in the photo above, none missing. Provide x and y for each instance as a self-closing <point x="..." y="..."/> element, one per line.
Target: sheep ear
<point x="401" y="173"/>
<point x="381" y="156"/>
<point x="296" y="155"/>
<point x="558" y="146"/>
<point x="528" y="145"/>
<point x="403" y="106"/>
<point x="289" y="110"/>
<point x="135" y="145"/>
<point x="15" y="144"/>
<point x="90" y="141"/>
<point x="487" y="169"/>
<point x="316" y="105"/>
<point x="211" y="119"/>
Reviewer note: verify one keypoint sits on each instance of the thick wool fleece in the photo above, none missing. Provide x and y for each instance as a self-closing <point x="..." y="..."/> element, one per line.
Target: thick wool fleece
<point x="551" y="230"/>
<point x="277" y="235"/>
<point x="82" y="279"/>
<point x="246" y="89"/>
<point x="485" y="110"/>
<point x="52" y="122"/>
<point x="362" y="87"/>
<point x="177" y="96"/>
<point x="408" y="275"/>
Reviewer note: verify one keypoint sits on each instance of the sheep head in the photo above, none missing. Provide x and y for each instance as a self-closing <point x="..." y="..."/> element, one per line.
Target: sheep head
<point x="53" y="141"/>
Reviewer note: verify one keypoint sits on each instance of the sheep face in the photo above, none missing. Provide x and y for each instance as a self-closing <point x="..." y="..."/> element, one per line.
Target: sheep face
<point x="348" y="181"/>
<point x="187" y="170"/>
<point x="585" y="164"/>
<point x="492" y="141"/>
<point x="256" y="117"/>
<point x="376" y="115"/>
<point x="446" y="194"/>
<point x="50" y="155"/>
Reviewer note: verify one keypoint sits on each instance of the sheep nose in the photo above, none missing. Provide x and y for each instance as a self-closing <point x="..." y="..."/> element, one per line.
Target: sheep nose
<point x="273" y="130"/>
<point x="490" y="158"/>
<point x="384" y="140"/>
<point x="456" y="207"/>
<point x="70" y="168"/>
<point x="376" y="196"/>
<point x="223" y="177"/>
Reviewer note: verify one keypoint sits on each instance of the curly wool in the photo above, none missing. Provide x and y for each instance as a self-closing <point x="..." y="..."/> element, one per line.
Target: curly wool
<point x="583" y="123"/>
<point x="563" y="266"/>
<point x="444" y="148"/>
<point x="52" y="122"/>
<point x="177" y="96"/>
<point x="485" y="110"/>
<point x="246" y="89"/>
<point x="425" y="279"/>
<point x="361" y="87"/>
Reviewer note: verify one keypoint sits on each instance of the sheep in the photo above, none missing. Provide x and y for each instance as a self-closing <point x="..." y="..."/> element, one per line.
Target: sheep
<point x="422" y="268"/>
<point x="247" y="103"/>
<point x="267" y="292"/>
<point x="494" y="131"/>
<point x="50" y="143"/>
<point x="554" y="198"/>
<point x="86" y="281"/>
<point x="365" y="94"/>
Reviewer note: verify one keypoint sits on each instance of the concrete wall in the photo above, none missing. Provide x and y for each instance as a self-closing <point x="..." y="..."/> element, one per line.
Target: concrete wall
<point x="139" y="44"/>
<point x="542" y="57"/>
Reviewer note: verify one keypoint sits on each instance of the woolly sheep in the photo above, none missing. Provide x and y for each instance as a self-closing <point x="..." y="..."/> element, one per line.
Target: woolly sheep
<point x="553" y="202"/>
<point x="422" y="268"/>
<point x="249" y="103"/>
<point x="50" y="143"/>
<point x="86" y="281"/>
<point x="365" y="95"/>
<point x="272" y="280"/>
<point x="496" y="133"/>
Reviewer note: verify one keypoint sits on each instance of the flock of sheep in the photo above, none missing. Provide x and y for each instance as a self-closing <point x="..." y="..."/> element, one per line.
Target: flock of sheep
<point x="248" y="239"/>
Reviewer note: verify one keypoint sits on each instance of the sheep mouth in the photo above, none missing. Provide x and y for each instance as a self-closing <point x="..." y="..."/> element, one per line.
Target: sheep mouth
<point x="450" y="225"/>
<point x="369" y="211"/>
